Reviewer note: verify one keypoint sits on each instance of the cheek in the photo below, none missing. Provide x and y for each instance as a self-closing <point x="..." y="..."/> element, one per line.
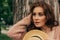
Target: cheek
<point x="33" y="17"/>
<point x="43" y="19"/>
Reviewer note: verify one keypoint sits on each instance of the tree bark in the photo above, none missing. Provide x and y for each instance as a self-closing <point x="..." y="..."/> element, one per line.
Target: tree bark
<point x="21" y="8"/>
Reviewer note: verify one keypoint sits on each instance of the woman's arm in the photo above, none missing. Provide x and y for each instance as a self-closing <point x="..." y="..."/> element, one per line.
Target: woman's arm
<point x="19" y="29"/>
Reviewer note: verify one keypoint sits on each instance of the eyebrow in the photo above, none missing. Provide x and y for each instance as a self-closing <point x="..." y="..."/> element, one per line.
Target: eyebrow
<point x="38" y="12"/>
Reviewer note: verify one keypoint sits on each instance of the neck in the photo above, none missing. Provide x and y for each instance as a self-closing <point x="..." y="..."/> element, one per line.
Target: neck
<point x="46" y="29"/>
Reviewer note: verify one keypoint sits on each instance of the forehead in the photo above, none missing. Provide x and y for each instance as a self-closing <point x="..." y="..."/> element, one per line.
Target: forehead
<point x="38" y="9"/>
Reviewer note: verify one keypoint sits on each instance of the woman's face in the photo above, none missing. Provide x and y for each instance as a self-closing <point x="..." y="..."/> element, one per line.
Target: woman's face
<point x="39" y="18"/>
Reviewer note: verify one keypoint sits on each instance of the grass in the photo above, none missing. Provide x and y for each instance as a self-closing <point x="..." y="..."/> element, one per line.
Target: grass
<point x="4" y="37"/>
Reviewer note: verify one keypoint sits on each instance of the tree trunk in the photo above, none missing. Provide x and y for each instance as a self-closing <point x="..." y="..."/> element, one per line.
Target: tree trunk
<point x="21" y="8"/>
<point x="17" y="10"/>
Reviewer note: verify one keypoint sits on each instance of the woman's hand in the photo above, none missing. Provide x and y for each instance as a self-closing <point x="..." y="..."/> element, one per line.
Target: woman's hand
<point x="24" y="21"/>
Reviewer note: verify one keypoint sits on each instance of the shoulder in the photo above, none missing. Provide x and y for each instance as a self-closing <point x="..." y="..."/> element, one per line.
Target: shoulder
<point x="57" y="29"/>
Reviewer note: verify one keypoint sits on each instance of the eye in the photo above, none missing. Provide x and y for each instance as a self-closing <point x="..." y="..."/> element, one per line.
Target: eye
<point x="40" y="14"/>
<point x="33" y="14"/>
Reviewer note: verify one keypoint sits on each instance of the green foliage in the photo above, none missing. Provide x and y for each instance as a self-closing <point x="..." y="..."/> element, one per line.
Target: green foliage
<point x="4" y="37"/>
<point x="6" y="11"/>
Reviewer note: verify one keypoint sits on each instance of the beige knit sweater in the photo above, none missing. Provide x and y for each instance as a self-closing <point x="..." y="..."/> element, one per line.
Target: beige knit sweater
<point x="18" y="30"/>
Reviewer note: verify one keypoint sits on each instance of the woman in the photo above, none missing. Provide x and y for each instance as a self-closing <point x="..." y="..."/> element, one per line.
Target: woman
<point x="41" y="17"/>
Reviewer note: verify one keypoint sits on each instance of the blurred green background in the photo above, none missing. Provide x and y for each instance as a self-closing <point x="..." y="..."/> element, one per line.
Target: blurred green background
<point x="6" y="15"/>
<point x="6" y="18"/>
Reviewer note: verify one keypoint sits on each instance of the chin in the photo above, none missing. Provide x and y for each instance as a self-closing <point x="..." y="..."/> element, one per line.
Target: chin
<point x="38" y="26"/>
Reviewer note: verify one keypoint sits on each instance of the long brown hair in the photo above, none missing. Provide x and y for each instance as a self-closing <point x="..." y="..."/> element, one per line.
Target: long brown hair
<point x="49" y="13"/>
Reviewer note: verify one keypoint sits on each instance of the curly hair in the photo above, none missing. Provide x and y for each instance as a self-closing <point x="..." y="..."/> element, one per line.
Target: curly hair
<point x="48" y="12"/>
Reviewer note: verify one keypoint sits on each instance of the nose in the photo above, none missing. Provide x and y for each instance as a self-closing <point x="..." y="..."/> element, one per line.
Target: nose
<point x="36" y="17"/>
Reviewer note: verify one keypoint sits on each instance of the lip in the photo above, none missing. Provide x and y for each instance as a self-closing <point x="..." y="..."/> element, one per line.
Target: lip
<point x="37" y="22"/>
